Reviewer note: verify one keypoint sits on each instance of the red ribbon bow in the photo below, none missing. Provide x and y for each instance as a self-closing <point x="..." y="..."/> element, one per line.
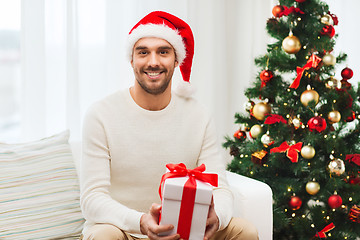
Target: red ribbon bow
<point x="291" y="150"/>
<point x="354" y="158"/>
<point x="313" y="62"/>
<point x="322" y="234"/>
<point x="274" y="118"/>
<point x="189" y="192"/>
<point x="287" y="11"/>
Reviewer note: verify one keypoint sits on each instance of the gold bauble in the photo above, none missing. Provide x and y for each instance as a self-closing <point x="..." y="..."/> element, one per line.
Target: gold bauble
<point x="307" y="152"/>
<point x="291" y="44"/>
<point x="329" y="59"/>
<point x="312" y="187"/>
<point x="332" y="83"/>
<point x="260" y="110"/>
<point x="266" y="139"/>
<point x="255" y="131"/>
<point x="326" y="19"/>
<point x="337" y="166"/>
<point x="334" y="116"/>
<point x="308" y="96"/>
<point x="296" y="122"/>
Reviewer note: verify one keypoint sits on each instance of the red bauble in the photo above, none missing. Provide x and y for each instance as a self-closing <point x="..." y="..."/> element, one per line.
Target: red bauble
<point x="335" y="201"/>
<point x="295" y="203"/>
<point x="277" y="10"/>
<point x="328" y="30"/>
<point x="241" y="135"/>
<point x="266" y="75"/>
<point x="317" y="124"/>
<point x="351" y="117"/>
<point x="300" y="1"/>
<point x="347" y="73"/>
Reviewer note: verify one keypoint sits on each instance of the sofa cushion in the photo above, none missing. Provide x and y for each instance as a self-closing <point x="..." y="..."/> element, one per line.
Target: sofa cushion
<point x="39" y="190"/>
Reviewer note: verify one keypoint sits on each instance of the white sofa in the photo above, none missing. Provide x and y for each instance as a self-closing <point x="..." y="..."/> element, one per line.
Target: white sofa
<point x="253" y="199"/>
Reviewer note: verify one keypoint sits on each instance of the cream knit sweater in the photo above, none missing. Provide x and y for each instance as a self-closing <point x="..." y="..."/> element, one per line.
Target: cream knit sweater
<point x="126" y="148"/>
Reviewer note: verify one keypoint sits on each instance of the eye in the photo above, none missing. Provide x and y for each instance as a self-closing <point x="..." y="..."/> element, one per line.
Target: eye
<point x="142" y="52"/>
<point x="163" y="52"/>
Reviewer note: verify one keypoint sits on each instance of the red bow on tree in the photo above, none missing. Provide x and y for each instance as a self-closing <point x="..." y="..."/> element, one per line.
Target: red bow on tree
<point x="291" y="150"/>
<point x="274" y="118"/>
<point x="322" y="234"/>
<point x="313" y="62"/>
<point x="287" y="11"/>
<point x="353" y="158"/>
<point x="334" y="18"/>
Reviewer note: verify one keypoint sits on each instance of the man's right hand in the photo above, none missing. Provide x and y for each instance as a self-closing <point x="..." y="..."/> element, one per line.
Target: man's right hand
<point x="149" y="225"/>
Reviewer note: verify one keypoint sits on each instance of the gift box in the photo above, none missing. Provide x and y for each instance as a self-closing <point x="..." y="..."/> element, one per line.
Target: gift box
<point x="186" y="196"/>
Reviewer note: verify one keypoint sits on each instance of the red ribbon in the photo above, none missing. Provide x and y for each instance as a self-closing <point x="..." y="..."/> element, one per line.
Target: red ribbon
<point x="274" y="118"/>
<point x="334" y="18"/>
<point x="189" y="192"/>
<point x="354" y="158"/>
<point x="291" y="150"/>
<point x="313" y="62"/>
<point x="322" y="234"/>
<point x="287" y="11"/>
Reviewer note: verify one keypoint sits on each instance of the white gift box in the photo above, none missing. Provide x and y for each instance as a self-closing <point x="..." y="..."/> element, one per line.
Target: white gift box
<point x="171" y="202"/>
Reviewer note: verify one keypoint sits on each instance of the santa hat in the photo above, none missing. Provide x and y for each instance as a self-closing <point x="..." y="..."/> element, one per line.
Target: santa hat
<point x="175" y="31"/>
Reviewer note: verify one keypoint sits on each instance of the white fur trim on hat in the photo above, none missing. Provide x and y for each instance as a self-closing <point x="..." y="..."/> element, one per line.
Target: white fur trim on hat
<point x="184" y="89"/>
<point x="160" y="31"/>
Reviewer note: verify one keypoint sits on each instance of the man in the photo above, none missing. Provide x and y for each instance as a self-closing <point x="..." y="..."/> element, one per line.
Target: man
<point x="131" y="135"/>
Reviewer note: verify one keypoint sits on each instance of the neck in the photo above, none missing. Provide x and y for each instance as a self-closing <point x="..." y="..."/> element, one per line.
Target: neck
<point x="149" y="101"/>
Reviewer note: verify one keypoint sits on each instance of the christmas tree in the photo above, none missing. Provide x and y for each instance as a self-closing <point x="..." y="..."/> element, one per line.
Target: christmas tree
<point x="301" y="134"/>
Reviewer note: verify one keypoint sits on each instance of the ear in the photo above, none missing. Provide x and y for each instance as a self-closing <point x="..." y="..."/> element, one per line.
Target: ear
<point x="176" y="63"/>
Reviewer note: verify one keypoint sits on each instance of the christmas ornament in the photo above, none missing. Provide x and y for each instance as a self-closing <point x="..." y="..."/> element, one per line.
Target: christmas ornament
<point x="274" y="118"/>
<point x="249" y="106"/>
<point x="295" y="202"/>
<point x="291" y="150"/>
<point x="353" y="158"/>
<point x="291" y="44"/>
<point x="255" y="131"/>
<point x="312" y="187"/>
<point x="328" y="30"/>
<point x="295" y="121"/>
<point x="308" y="152"/>
<point x="312" y="203"/>
<point x="308" y="96"/>
<point x="259" y="157"/>
<point x="300" y="1"/>
<point x="326" y="19"/>
<point x="313" y="62"/>
<point x="241" y="135"/>
<point x="265" y="76"/>
<point x="354" y="214"/>
<point x="351" y="117"/>
<point x="347" y="73"/>
<point x="321" y="234"/>
<point x="261" y="110"/>
<point x="329" y="59"/>
<point x="234" y="151"/>
<point x="334" y="116"/>
<point x="317" y="124"/>
<point x="335" y="201"/>
<point x="266" y="139"/>
<point x="337" y="166"/>
<point x="332" y="83"/>
<point x="277" y="10"/>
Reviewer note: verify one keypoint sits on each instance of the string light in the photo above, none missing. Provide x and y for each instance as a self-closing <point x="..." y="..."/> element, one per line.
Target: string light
<point x="303" y="216"/>
<point x="289" y="189"/>
<point x="293" y="215"/>
<point x="251" y="172"/>
<point x="325" y="136"/>
<point x="285" y="210"/>
<point x="246" y="155"/>
<point x="350" y="199"/>
<point x="312" y="225"/>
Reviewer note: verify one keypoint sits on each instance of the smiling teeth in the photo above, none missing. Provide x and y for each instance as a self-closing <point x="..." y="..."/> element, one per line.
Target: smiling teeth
<point x="153" y="74"/>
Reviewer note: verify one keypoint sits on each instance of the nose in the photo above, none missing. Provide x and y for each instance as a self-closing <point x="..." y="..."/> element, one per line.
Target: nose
<point x="153" y="60"/>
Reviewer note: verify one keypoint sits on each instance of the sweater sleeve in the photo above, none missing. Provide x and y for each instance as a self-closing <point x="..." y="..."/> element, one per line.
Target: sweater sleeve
<point x="210" y="156"/>
<point x="96" y="202"/>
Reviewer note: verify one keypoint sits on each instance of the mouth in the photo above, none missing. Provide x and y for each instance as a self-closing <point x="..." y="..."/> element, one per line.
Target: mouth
<point x="153" y="75"/>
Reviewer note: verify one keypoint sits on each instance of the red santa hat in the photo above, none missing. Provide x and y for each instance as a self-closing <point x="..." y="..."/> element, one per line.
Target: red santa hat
<point x="174" y="30"/>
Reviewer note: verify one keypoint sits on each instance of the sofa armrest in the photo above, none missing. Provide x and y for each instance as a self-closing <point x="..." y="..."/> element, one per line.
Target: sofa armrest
<point x="252" y="201"/>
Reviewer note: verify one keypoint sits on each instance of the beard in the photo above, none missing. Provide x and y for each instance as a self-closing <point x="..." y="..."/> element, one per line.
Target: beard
<point x="158" y="90"/>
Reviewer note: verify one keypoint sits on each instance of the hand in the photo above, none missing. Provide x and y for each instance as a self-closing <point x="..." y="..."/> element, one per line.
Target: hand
<point x="149" y="225"/>
<point x="212" y="222"/>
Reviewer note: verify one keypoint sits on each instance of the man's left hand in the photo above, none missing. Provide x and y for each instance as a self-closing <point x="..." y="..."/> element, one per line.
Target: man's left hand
<point x="212" y="222"/>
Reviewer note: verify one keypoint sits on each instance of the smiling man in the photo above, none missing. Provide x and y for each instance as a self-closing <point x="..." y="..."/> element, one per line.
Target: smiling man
<point x="129" y="137"/>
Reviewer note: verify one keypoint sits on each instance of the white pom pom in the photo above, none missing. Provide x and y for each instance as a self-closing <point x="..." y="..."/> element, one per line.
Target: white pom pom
<point x="184" y="89"/>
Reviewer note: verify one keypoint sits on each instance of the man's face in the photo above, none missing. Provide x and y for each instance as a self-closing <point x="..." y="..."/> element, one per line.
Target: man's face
<point x="153" y="62"/>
